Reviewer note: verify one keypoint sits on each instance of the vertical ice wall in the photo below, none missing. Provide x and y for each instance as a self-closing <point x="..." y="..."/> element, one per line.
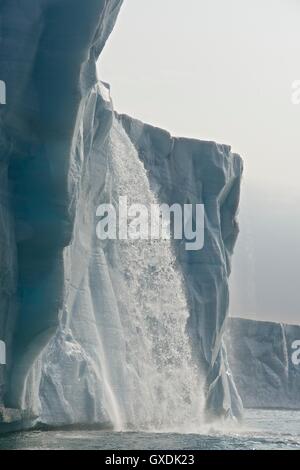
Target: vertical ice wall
<point x="190" y="171"/>
<point x="47" y="60"/>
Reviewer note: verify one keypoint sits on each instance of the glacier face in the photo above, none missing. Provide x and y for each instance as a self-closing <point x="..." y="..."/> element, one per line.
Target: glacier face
<point x="121" y="355"/>
<point x="188" y="171"/>
<point x="107" y="333"/>
<point x="261" y="359"/>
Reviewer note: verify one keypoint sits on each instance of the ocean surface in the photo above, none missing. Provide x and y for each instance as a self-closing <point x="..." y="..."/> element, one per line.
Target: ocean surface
<point x="261" y="429"/>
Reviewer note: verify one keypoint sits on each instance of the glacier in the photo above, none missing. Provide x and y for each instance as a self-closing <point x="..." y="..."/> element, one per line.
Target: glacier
<point x="109" y="333"/>
<point x="260" y="354"/>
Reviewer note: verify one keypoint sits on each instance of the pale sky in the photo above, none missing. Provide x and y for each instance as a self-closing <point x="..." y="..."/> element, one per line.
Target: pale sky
<point x="223" y="70"/>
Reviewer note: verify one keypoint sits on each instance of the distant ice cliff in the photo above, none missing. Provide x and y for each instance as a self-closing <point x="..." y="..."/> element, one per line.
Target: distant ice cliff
<point x="265" y="361"/>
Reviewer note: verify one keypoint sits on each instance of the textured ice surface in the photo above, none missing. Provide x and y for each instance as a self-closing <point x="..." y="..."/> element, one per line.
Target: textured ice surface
<point x="122" y="354"/>
<point x="102" y="331"/>
<point x="261" y="359"/>
<point x="189" y="171"/>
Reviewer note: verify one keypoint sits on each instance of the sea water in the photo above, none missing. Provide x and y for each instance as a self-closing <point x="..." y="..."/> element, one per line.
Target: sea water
<point x="261" y="429"/>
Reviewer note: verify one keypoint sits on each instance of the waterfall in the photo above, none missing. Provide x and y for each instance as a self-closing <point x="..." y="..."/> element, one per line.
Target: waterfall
<point x="164" y="389"/>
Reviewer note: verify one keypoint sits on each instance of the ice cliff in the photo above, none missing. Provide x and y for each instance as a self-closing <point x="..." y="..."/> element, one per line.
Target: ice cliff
<point x="188" y="171"/>
<point x="265" y="364"/>
<point x="103" y="332"/>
